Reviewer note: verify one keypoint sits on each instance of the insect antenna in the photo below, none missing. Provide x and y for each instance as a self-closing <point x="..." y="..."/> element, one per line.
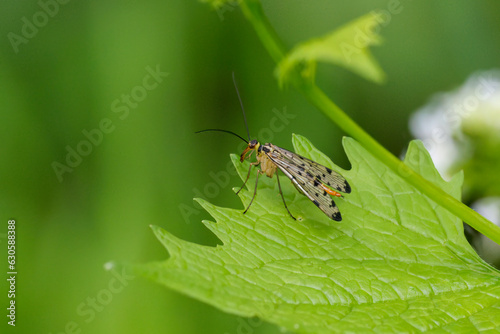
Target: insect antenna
<point x="244" y="118"/>
<point x="227" y="131"/>
<point x="242" y="109"/>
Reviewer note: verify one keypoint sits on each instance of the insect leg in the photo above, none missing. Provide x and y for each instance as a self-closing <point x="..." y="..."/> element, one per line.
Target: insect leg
<point x="281" y="193"/>
<point x="248" y="175"/>
<point x="254" y="192"/>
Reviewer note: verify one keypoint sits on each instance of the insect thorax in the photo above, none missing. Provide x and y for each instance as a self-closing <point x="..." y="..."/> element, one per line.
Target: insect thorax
<point x="266" y="165"/>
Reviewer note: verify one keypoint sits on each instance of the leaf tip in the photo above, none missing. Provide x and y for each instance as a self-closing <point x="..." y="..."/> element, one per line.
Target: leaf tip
<point x="348" y="142"/>
<point x="168" y="240"/>
<point x="200" y="201"/>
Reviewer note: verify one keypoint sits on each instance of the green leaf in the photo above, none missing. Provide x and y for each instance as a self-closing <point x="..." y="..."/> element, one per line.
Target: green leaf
<point x="347" y="47"/>
<point x="397" y="262"/>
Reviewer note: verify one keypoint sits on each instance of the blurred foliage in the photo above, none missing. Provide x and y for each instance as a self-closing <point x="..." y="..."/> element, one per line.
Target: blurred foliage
<point x="347" y="46"/>
<point x="84" y="56"/>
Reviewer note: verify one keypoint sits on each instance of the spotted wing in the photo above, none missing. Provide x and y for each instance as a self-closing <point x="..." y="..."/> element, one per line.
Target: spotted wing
<point x="308" y="177"/>
<point x="323" y="174"/>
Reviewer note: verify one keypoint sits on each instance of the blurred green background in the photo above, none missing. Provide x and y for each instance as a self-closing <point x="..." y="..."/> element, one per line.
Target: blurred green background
<point x="74" y="72"/>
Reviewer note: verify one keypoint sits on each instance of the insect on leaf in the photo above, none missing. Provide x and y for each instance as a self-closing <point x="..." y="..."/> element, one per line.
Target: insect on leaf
<point x="311" y="179"/>
<point x="398" y="262"/>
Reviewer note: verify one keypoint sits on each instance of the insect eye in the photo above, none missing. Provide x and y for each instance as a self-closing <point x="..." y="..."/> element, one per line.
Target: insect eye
<point x="252" y="143"/>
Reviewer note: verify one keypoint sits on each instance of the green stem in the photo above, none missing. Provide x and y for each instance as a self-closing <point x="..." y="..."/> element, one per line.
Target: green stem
<point x="253" y="11"/>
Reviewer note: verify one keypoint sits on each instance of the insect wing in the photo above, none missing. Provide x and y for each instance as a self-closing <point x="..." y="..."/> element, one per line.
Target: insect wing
<point x="308" y="177"/>
<point x="324" y="174"/>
